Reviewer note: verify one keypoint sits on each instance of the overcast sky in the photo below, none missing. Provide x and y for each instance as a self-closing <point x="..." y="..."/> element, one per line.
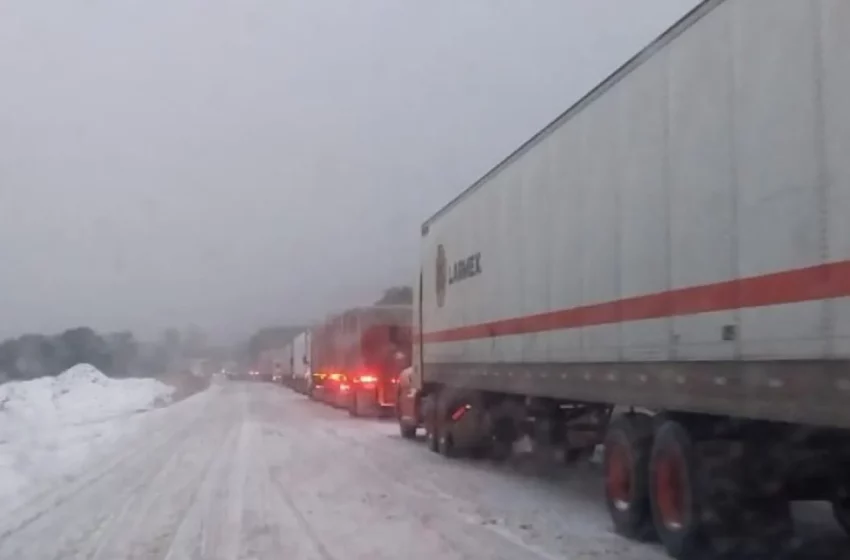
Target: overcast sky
<point x="249" y="162"/>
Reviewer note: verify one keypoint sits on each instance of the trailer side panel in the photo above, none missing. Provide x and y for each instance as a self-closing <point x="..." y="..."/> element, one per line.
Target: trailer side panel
<point x="677" y="242"/>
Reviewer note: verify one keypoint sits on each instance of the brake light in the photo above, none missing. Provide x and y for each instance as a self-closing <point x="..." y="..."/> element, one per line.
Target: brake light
<point x="368" y="379"/>
<point x="335" y="376"/>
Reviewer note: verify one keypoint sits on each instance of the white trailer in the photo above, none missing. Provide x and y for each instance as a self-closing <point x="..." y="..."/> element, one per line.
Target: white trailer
<point x="678" y="241"/>
<point x="301" y="361"/>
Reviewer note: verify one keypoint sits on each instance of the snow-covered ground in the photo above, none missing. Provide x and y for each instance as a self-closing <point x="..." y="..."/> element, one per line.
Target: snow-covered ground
<point x="53" y="426"/>
<point x="253" y="471"/>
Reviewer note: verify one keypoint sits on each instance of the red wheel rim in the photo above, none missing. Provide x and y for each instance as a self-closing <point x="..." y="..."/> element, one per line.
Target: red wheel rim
<point x="670" y="487"/>
<point x="619" y="477"/>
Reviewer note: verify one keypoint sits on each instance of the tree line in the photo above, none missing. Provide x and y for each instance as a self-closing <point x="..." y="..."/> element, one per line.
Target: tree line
<point x="117" y="354"/>
<point x="120" y="354"/>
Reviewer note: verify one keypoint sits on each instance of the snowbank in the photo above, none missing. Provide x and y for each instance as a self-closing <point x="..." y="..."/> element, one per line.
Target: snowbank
<point x="80" y="394"/>
<point x="50" y="427"/>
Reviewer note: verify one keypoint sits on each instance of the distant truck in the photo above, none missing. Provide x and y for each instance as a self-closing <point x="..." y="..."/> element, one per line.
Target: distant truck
<point x="676" y="245"/>
<point x="283" y="365"/>
<point x="264" y="368"/>
<point x="358" y="355"/>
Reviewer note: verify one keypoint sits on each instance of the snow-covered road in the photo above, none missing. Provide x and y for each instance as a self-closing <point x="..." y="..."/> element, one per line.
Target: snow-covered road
<point x="246" y="471"/>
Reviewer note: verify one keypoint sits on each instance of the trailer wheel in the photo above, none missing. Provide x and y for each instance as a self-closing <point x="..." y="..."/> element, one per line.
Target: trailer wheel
<point x="672" y="480"/>
<point x="628" y="444"/>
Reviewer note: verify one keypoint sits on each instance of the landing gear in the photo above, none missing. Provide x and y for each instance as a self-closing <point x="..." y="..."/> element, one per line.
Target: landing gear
<point x="406" y="428"/>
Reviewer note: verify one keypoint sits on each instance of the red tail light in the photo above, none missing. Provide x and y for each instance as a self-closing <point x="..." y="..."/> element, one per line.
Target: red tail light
<point x="368" y="379"/>
<point x="458" y="414"/>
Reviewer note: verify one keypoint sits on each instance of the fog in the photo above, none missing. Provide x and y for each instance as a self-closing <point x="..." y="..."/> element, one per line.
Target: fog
<point x="235" y="164"/>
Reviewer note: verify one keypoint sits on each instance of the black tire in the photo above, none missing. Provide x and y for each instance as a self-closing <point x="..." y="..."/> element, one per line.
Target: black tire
<point x="672" y="488"/>
<point x="442" y="422"/>
<point x="353" y="411"/>
<point x="841" y="512"/>
<point x="407" y="431"/>
<point x="628" y="445"/>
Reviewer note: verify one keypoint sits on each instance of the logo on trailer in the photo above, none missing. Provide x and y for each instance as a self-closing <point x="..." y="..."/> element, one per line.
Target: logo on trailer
<point x="442" y="277"/>
<point x="466" y="268"/>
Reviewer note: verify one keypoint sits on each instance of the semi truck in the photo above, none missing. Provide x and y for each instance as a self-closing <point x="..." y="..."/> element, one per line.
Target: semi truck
<point x="358" y="355"/>
<point x="664" y="270"/>
<point x="275" y="364"/>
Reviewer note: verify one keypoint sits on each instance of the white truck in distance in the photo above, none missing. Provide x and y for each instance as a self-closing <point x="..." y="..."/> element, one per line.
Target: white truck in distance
<point x="677" y="244"/>
<point x="301" y="362"/>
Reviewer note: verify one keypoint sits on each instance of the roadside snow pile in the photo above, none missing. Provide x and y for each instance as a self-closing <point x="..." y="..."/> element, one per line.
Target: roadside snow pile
<point x="51" y="427"/>
<point x="79" y="395"/>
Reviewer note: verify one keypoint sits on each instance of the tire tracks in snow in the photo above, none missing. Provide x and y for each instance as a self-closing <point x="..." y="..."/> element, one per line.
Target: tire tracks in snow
<point x="424" y="496"/>
<point x="285" y="497"/>
<point x="575" y="536"/>
<point x="97" y="500"/>
<point x="17" y="518"/>
<point x="47" y="502"/>
<point x="148" y="520"/>
<point x="368" y="509"/>
<point x="211" y="527"/>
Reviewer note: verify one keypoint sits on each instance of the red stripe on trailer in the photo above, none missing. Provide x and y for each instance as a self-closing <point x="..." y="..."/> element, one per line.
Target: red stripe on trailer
<point x="825" y="281"/>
